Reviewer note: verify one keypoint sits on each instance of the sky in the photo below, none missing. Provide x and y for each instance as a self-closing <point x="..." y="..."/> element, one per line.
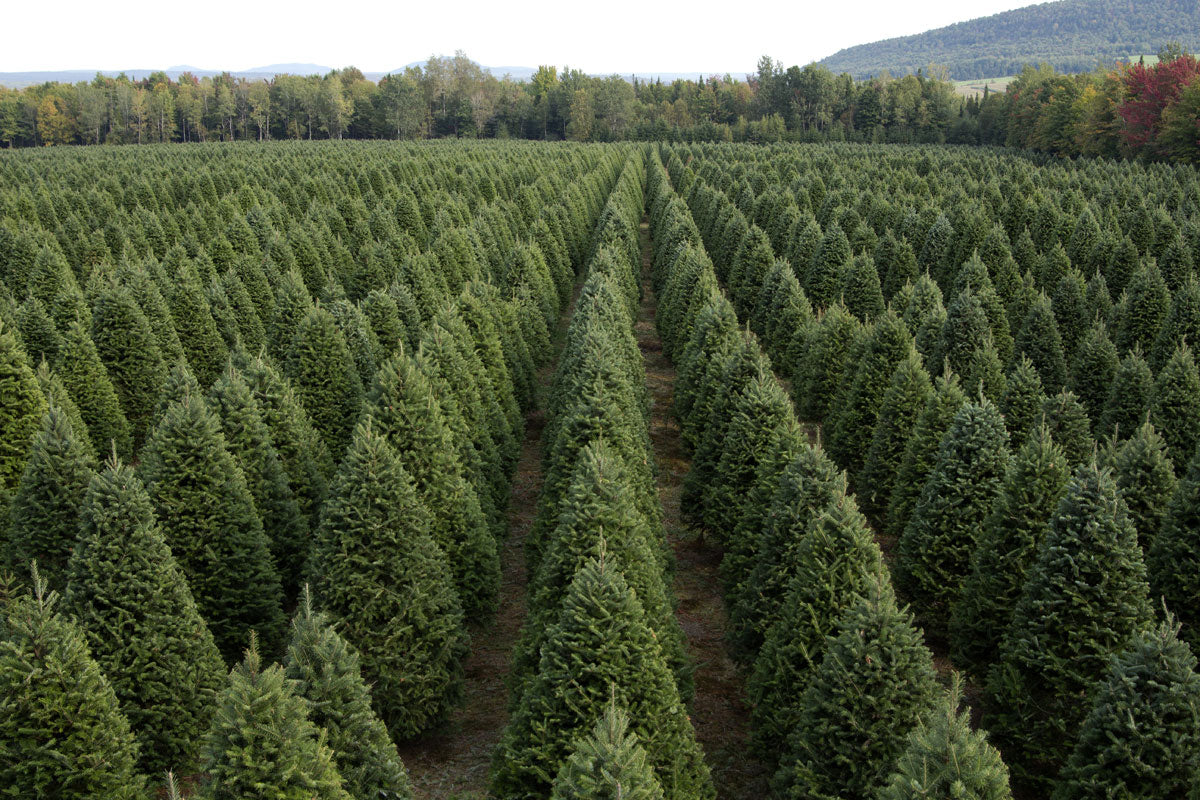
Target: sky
<point x="623" y="36"/>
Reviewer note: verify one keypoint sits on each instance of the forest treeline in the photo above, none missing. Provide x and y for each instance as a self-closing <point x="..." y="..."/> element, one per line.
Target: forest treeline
<point x="1070" y="35"/>
<point x="1136" y="110"/>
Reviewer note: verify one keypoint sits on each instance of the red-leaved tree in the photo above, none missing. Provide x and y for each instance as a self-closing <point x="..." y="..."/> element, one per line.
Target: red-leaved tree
<point x="1149" y="91"/>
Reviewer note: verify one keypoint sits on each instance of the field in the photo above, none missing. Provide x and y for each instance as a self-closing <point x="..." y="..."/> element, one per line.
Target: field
<point x="527" y="470"/>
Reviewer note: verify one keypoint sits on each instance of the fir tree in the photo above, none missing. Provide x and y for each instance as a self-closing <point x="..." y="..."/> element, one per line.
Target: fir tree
<point x="920" y="454"/>
<point x="56" y="394"/>
<point x="212" y="527"/>
<point x="131" y="598"/>
<point x="1141" y="738"/>
<point x="198" y="333"/>
<point x="935" y="550"/>
<point x="1093" y="370"/>
<point x="44" y="519"/>
<point x="1022" y="401"/>
<point x="1181" y="325"/>
<point x="860" y="289"/>
<point x="261" y="745"/>
<point x="1148" y="303"/>
<point x="906" y="397"/>
<point x="378" y="572"/>
<point x="23" y="409"/>
<point x="1175" y="407"/>
<point x="834" y="564"/>
<point x="406" y="414"/>
<point x="1146" y="481"/>
<point x="609" y="764"/>
<point x="945" y="758"/>
<point x="600" y="648"/>
<point x="1173" y="560"/>
<point x="131" y="356"/>
<point x="823" y="278"/>
<point x="1008" y="544"/>
<point x="1039" y="340"/>
<point x="1129" y="397"/>
<point x="824" y="359"/>
<point x="925" y="316"/>
<point x="87" y="381"/>
<point x="874" y="683"/>
<point x="323" y="373"/>
<point x="1069" y="425"/>
<point x="326" y="671"/>
<point x="61" y="726"/>
<point x="1085" y="597"/>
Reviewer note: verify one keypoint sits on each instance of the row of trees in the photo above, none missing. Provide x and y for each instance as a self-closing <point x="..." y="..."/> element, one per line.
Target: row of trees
<point x="1028" y="547"/>
<point x="297" y="415"/>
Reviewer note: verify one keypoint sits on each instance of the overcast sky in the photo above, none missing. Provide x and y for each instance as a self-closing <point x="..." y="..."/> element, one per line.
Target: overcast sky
<point x="381" y="35"/>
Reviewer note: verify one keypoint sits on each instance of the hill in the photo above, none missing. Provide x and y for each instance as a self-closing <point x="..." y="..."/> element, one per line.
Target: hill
<point x="1071" y="35"/>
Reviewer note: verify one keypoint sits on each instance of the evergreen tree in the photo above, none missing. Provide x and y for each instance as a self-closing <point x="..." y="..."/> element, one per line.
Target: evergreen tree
<point x="1085" y="597"/>
<point x="823" y="361"/>
<point x="1141" y="738"/>
<point x="609" y="764"/>
<point x="1022" y="401"/>
<point x="326" y="671"/>
<point x="1063" y="414"/>
<point x="1173" y="560"/>
<point x="1129" y="397"/>
<point x="131" y="356"/>
<point x="1093" y="371"/>
<point x="1008" y="543"/>
<point x="212" y="527"/>
<point x="249" y="442"/>
<point x="1146" y="481"/>
<point x="860" y="289"/>
<point x="56" y="394"/>
<point x="1175" y="407"/>
<point x="379" y="574"/>
<point x="23" y="409"/>
<point x="945" y="759"/>
<point x="62" y="733"/>
<point x="1181" y="325"/>
<point x="87" y="381"/>
<point x="874" y="683"/>
<point x="131" y="599"/>
<point x="1039" y="340"/>
<point x="407" y="415"/>
<point x="925" y="316"/>
<point x="44" y="519"/>
<point x="261" y="745"/>
<point x="834" y="563"/>
<point x="921" y="452"/>
<point x="600" y="648"/>
<point x="1147" y="305"/>
<point x="1069" y="303"/>
<point x="935" y="550"/>
<point x="906" y="397"/>
<point x="206" y="351"/>
<point x="823" y="278"/>
<point x="323" y="373"/>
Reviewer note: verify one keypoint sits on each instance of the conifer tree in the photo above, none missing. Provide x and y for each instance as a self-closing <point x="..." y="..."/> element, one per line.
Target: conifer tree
<point x="84" y="375"/>
<point x="261" y="745"/>
<point x="61" y="726"/>
<point x="1022" y="401"/>
<point x="1129" y="397"/>
<point x="1141" y="737"/>
<point x="945" y="758"/>
<point x="206" y="350"/>
<point x="1175" y="406"/>
<point x="249" y="442"/>
<point x="44" y="514"/>
<point x="964" y="331"/>
<point x="925" y="316"/>
<point x="1146" y="482"/>
<point x="1008" y="543"/>
<point x="1147" y="305"/>
<point x="1063" y="414"/>
<point x="23" y="409"/>
<point x="906" y="397"/>
<point x="1084" y="599"/>
<point x="131" y="356"/>
<point x="323" y="373"/>
<point x="834" y="564"/>
<point x="1093" y="370"/>
<point x="823" y="277"/>
<point x="407" y="415"/>
<point x="133" y="602"/>
<point x="212" y="527"/>
<point x="920" y="454"/>
<point x="380" y="575"/>
<point x="1182" y="323"/>
<point x="935" y="550"/>
<point x="874" y="683"/>
<point x="610" y="764"/>
<point x="860" y="289"/>
<point x="1069" y="303"/>
<point x="1173" y="559"/>
<point x="600" y="648"/>
<point x="1039" y="340"/>
<point x="326" y="671"/>
<point x="56" y="394"/>
<point x="824" y="360"/>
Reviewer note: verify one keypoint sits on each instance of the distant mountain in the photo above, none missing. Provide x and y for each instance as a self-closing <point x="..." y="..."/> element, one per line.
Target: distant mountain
<point x="291" y="69"/>
<point x="1071" y="35"/>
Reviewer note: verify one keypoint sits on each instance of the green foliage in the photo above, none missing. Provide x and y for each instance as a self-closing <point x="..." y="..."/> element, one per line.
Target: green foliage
<point x="1022" y="401"/>
<point x="899" y="410"/>
<point x="874" y="683"/>
<point x="1173" y="560"/>
<point x="326" y="671"/>
<point x="947" y="760"/>
<point x="1129" y="398"/>
<point x="261" y="745"/>
<point x="212" y="527"/>
<point x="958" y="496"/>
<point x="379" y="573"/>
<point x="1141" y="737"/>
<point x="1039" y="340"/>
<point x="322" y="370"/>
<point x="85" y="378"/>
<point x="133" y="602"/>
<point x="826" y="355"/>
<point x="1094" y="371"/>
<point x="1175" y="406"/>
<point x="1063" y="414"/>
<point x="609" y="764"/>
<point x="1146" y="481"/>
<point x="23" y="407"/>
<point x="131" y="356"/>
<point x="62" y="733"/>
<point x="1084" y="599"/>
